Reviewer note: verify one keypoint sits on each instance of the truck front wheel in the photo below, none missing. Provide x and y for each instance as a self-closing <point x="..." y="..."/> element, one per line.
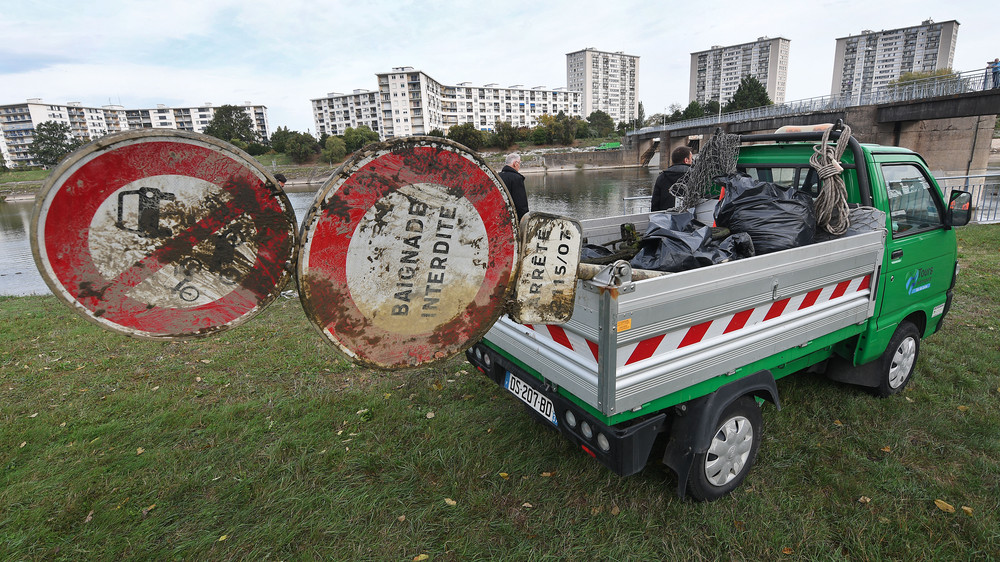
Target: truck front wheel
<point x="899" y="359"/>
<point x="731" y="452"/>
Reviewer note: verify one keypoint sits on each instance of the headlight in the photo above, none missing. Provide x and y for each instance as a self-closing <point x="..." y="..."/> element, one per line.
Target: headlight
<point x="570" y="418"/>
<point x="586" y="430"/>
<point x="603" y="443"/>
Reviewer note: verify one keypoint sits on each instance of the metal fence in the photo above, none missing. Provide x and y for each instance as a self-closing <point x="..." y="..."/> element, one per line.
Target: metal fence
<point x="946" y="85"/>
<point x="985" y="190"/>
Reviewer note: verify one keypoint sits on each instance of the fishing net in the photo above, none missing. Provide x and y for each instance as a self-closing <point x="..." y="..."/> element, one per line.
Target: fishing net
<point x="717" y="158"/>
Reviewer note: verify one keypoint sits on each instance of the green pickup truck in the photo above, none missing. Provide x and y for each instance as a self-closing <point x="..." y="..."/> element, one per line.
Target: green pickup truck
<point x="681" y="363"/>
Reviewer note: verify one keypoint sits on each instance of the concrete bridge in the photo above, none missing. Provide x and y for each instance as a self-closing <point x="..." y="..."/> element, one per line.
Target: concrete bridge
<point x="953" y="131"/>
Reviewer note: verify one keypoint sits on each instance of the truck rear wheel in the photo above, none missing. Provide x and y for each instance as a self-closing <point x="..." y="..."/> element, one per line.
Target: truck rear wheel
<point x="899" y="359"/>
<point x="731" y="452"/>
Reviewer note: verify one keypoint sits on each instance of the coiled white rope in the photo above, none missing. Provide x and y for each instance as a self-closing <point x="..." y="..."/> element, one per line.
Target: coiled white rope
<point x="832" y="212"/>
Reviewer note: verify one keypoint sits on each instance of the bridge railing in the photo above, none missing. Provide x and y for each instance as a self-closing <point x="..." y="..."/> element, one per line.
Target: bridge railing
<point x="945" y="85"/>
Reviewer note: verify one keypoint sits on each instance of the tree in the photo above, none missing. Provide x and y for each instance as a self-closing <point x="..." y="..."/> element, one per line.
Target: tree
<point x="231" y="122"/>
<point x="301" y="146"/>
<point x="279" y="137"/>
<point x="466" y="134"/>
<point x="641" y="119"/>
<point x="355" y="138"/>
<point x="506" y="134"/>
<point x="335" y="150"/>
<point x="914" y="76"/>
<point x="601" y="123"/>
<point x="712" y="107"/>
<point x="750" y="94"/>
<point x="694" y="110"/>
<point x="53" y="141"/>
<point x="436" y="133"/>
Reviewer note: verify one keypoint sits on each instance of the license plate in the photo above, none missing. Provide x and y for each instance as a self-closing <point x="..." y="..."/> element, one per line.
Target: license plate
<point x="538" y="401"/>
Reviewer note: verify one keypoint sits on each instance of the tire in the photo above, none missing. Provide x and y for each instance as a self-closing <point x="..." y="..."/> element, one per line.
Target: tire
<point x="731" y="451"/>
<point x="898" y="360"/>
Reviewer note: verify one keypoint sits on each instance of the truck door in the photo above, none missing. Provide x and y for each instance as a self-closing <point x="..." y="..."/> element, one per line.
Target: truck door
<point x="920" y="250"/>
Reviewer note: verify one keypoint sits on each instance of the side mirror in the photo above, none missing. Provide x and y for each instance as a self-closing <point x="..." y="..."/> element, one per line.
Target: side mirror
<point x="959" y="209"/>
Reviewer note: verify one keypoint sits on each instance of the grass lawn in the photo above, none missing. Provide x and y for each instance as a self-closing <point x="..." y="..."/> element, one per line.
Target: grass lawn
<point x="261" y="443"/>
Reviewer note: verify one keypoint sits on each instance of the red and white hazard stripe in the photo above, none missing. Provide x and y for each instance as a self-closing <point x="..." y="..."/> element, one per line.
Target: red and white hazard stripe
<point x="723" y="325"/>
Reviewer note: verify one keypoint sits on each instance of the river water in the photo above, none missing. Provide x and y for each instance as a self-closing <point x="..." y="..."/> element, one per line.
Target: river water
<point x="578" y="194"/>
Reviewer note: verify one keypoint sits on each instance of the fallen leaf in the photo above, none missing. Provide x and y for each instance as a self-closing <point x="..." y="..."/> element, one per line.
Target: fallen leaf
<point x="430" y="415"/>
<point x="206" y="361"/>
<point x="146" y="511"/>
<point x="33" y="415"/>
<point x="504" y="475"/>
<point x="838" y="422"/>
<point x="388" y="395"/>
<point x="223" y="537"/>
<point x="739" y="525"/>
<point x="401" y="518"/>
<point x="63" y="424"/>
<point x="450" y="501"/>
<point x="155" y="388"/>
<point x="908" y="399"/>
<point x="967" y="510"/>
<point x="547" y="474"/>
<point x="90" y="517"/>
<point x="864" y="499"/>
<point x="615" y="510"/>
<point x="420" y="557"/>
<point x="596" y="510"/>
<point x="365" y="411"/>
<point x="886" y="449"/>
<point x="944" y="506"/>
<point x="787" y="550"/>
<point x="197" y="379"/>
<point x="23" y="443"/>
<point x="140" y="451"/>
<point x="527" y="505"/>
<point x="963" y="408"/>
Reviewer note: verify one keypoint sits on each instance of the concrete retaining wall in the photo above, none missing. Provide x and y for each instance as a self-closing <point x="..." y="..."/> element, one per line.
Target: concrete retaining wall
<point x="590" y="159"/>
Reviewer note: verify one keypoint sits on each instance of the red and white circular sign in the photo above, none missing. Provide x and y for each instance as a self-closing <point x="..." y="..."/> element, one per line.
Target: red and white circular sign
<point x="163" y="234"/>
<point x="408" y="253"/>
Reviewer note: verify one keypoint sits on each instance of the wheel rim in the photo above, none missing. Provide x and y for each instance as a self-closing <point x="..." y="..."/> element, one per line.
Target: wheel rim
<point x="902" y="362"/>
<point x="729" y="451"/>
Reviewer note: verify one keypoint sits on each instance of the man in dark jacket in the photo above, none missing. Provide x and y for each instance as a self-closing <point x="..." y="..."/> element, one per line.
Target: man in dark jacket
<point x="511" y="176"/>
<point x="680" y="160"/>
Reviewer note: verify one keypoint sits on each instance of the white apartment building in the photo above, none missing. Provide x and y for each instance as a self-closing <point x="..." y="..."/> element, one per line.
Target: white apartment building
<point x="866" y="62"/>
<point x="410" y="102"/>
<point x="609" y="82"/>
<point x="716" y="73"/>
<point x="18" y="121"/>
<point x="336" y="112"/>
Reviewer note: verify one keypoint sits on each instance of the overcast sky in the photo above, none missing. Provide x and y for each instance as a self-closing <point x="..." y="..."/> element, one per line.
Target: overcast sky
<point x="283" y="53"/>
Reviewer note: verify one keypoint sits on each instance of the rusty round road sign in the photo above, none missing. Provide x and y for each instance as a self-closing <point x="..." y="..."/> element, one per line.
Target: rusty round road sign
<point x="163" y="234"/>
<point x="408" y="253"/>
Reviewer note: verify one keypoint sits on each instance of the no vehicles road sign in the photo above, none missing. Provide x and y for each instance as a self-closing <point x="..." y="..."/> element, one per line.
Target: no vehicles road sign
<point x="163" y="234"/>
<point x="408" y="253"/>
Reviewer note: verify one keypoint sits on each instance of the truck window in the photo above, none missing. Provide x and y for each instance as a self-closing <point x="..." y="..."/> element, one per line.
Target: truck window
<point x="912" y="206"/>
<point x="804" y="179"/>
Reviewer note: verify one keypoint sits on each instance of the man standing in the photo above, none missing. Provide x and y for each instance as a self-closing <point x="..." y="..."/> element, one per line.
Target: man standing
<point x="680" y="160"/>
<point x="995" y="69"/>
<point x="511" y="176"/>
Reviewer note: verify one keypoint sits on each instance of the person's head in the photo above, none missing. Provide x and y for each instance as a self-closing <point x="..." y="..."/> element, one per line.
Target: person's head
<point x="681" y="155"/>
<point x="513" y="160"/>
<point x="281" y="179"/>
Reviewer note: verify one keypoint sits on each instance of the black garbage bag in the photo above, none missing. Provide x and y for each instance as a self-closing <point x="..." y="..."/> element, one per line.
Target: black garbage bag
<point x="593" y="252"/>
<point x="676" y="242"/>
<point x="775" y="216"/>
